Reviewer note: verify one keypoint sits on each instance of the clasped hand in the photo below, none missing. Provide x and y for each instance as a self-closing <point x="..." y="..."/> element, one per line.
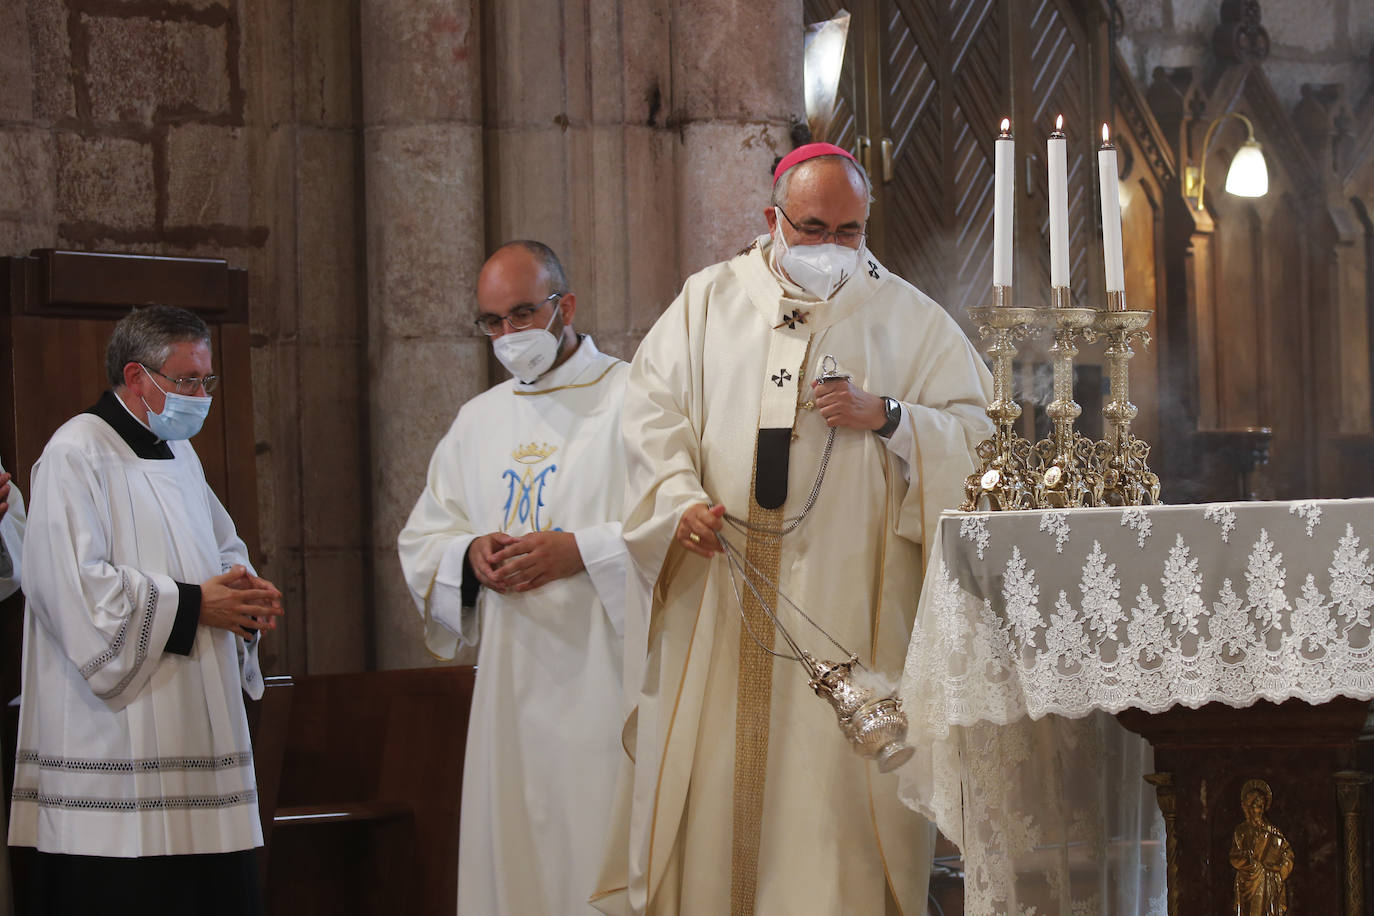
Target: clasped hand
<point x="842" y="403"/>
<point x="505" y="563"/>
<point x="239" y="602"/>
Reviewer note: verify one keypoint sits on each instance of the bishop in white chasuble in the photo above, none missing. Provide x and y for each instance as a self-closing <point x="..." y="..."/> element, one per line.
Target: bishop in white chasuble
<point x="745" y="797"/>
<point x="543" y="742"/>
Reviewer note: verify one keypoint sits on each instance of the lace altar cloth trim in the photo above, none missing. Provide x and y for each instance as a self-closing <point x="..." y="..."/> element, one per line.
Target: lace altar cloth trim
<point x="1034" y="625"/>
<point x="1071" y="611"/>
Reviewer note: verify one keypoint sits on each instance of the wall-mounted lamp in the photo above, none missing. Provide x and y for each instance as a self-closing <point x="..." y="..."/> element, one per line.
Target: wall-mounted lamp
<point x="1248" y="175"/>
<point x="822" y="61"/>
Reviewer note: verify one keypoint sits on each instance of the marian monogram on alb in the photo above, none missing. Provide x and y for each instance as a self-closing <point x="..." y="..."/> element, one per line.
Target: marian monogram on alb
<point x="525" y="486"/>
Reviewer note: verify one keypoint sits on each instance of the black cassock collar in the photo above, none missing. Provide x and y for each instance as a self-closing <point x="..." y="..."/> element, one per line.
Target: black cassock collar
<point x="135" y="434"/>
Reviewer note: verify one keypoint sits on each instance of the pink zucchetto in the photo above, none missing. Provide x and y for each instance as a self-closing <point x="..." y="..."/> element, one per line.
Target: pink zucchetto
<point x="810" y="151"/>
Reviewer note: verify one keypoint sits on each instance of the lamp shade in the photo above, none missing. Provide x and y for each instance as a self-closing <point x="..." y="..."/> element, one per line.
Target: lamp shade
<point x="822" y="59"/>
<point x="1249" y="176"/>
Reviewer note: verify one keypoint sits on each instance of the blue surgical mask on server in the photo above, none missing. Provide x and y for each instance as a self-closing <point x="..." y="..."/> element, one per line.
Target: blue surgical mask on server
<point x="182" y="415"/>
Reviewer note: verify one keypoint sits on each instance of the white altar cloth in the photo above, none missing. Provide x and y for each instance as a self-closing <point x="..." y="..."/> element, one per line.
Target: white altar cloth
<point x="1034" y="625"/>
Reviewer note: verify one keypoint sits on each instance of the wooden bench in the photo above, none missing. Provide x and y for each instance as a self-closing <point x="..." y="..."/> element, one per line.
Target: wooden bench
<point x="359" y="784"/>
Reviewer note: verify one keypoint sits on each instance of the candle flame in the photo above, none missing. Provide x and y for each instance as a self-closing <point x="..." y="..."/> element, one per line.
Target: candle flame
<point x="1059" y="123"/>
<point x="1006" y="124"/>
<point x="1105" y="139"/>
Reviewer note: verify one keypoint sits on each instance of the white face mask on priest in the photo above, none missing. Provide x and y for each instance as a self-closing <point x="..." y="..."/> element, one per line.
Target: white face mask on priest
<point x="818" y="219"/>
<point x="527" y="313"/>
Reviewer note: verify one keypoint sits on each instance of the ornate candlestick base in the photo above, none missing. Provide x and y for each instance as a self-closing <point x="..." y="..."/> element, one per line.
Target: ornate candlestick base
<point x="1070" y="476"/>
<point x="1005" y="478"/>
<point x="1127" y="478"/>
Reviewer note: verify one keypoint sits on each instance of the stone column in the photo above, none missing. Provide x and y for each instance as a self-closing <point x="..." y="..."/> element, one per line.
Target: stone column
<point x="636" y="140"/>
<point x="421" y="84"/>
<point x="580" y="152"/>
<point x="737" y="85"/>
<point x="28" y="194"/>
<point x="322" y="346"/>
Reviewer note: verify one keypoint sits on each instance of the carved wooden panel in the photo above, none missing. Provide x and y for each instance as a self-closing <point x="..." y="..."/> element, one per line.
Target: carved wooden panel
<point x="931" y="78"/>
<point x="916" y="242"/>
<point x="1352" y="139"/>
<point x="1269" y="303"/>
<point x="1058" y="84"/>
<point x="926" y="80"/>
<point x="1270" y="368"/>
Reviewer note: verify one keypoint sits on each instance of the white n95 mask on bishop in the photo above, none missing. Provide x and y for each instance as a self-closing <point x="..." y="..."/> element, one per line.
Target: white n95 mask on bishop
<point x="818" y="269"/>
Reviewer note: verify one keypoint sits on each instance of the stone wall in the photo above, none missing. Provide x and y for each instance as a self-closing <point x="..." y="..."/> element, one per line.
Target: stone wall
<point x="359" y="158"/>
<point x="208" y="128"/>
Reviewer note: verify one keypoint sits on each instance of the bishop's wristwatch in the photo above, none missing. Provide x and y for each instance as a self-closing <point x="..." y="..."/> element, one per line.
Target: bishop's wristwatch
<point x="894" y="416"/>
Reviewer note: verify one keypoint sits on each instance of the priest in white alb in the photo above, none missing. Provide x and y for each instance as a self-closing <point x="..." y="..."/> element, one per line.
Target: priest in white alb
<point x="134" y="775"/>
<point x="514" y="547"/>
<point x="745" y="796"/>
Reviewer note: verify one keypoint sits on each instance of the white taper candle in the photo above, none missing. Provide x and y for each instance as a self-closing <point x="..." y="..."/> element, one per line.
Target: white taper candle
<point x="1059" y="205"/>
<point x="1111" y="214"/>
<point x="1004" y="203"/>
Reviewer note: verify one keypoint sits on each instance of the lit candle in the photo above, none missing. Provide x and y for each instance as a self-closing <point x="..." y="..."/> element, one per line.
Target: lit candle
<point x="1004" y="200"/>
<point x="1111" y="216"/>
<point x="1059" y="206"/>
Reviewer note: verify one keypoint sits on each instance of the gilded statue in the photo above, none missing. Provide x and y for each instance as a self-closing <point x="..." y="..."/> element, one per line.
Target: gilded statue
<point x="1261" y="856"/>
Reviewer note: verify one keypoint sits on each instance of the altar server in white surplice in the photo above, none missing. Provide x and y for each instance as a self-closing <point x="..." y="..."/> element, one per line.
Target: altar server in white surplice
<point x="514" y="546"/>
<point x="134" y="775"/>
<point x="12" y="522"/>
<point x="746" y="798"/>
